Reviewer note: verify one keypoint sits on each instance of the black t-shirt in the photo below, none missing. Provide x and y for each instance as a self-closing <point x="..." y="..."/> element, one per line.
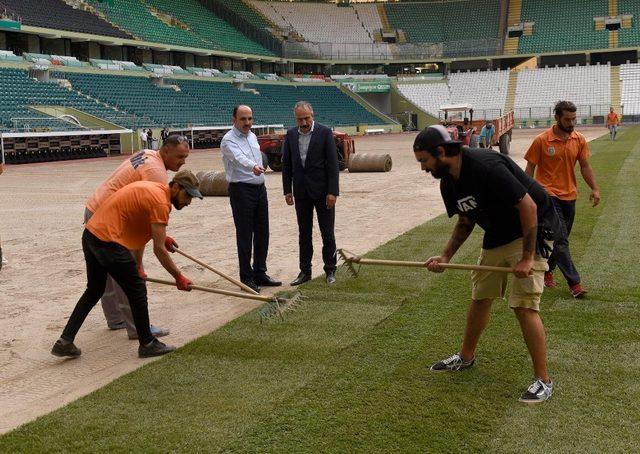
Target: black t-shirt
<point x="488" y="190"/>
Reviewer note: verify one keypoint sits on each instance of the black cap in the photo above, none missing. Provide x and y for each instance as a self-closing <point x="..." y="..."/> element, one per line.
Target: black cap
<point x="432" y="137"/>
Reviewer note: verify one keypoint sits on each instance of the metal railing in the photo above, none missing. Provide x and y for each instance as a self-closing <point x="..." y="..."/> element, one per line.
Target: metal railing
<point x="584" y="111"/>
<point x="389" y="51"/>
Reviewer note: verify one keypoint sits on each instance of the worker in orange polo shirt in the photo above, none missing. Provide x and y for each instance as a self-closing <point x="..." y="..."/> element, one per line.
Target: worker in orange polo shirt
<point x="112" y="241"/>
<point x="147" y="165"/>
<point x="613" y="121"/>
<point x="552" y="158"/>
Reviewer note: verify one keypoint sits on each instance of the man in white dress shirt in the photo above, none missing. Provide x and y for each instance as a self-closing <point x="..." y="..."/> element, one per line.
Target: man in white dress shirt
<point x="248" y="197"/>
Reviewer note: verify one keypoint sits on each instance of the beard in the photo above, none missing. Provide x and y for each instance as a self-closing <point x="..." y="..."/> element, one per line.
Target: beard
<point x="175" y="201"/>
<point x="441" y="170"/>
<point x="565" y="129"/>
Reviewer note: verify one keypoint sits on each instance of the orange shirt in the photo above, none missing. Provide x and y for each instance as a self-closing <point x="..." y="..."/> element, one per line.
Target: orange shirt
<point x="146" y="165"/>
<point x="612" y="119"/>
<point x="126" y="217"/>
<point x="555" y="161"/>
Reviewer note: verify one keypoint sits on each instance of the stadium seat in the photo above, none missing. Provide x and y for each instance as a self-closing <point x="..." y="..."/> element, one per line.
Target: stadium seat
<point x="563" y="26"/>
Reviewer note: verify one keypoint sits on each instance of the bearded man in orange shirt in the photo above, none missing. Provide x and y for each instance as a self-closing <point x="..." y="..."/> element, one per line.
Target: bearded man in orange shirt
<point x="552" y="158"/>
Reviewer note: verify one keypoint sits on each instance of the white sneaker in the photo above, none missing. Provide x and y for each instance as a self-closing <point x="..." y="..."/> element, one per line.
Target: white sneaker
<point x="539" y="391"/>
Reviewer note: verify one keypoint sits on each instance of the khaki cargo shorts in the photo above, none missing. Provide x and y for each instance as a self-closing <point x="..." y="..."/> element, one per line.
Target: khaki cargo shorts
<point x="525" y="292"/>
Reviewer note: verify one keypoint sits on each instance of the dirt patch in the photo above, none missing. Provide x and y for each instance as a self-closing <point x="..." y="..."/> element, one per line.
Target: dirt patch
<point x="41" y="225"/>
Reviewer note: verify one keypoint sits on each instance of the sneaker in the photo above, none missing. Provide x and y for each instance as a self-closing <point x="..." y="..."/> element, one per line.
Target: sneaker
<point x="539" y="391"/>
<point x="155" y="330"/>
<point x="548" y="280"/>
<point x="452" y="363"/>
<point x="115" y="326"/>
<point x="577" y="291"/>
<point x="64" y="348"/>
<point x="155" y="348"/>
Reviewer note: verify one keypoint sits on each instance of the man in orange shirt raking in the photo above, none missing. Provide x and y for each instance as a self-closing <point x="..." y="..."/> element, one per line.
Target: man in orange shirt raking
<point x="112" y="241"/>
<point x="147" y="165"/>
<point x="554" y="153"/>
<point x="613" y="121"/>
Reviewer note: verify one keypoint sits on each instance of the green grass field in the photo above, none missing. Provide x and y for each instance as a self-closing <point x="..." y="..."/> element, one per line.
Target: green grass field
<point x="348" y="372"/>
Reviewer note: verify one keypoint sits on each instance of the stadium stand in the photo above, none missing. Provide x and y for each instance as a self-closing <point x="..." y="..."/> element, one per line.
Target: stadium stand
<point x="435" y="22"/>
<point x="630" y="37"/>
<point x="209" y="27"/>
<point x="589" y="87"/>
<point x="486" y="91"/>
<point x="18" y="91"/>
<point x="317" y="22"/>
<point x="630" y="89"/>
<point x="369" y="17"/>
<point x="428" y="96"/>
<point x="59" y="15"/>
<point x="554" y="31"/>
<point x="208" y="103"/>
<point x="252" y="15"/>
<point x="135" y="16"/>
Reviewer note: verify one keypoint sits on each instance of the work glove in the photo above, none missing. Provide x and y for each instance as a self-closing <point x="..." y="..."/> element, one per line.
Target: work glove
<point x="170" y="244"/>
<point x="183" y="283"/>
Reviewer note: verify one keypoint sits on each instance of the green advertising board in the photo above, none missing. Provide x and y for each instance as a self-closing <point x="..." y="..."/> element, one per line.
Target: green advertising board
<point x="369" y="86"/>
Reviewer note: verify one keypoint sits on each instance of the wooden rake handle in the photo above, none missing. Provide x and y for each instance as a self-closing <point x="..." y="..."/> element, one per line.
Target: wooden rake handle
<point x="243" y="286"/>
<point x="455" y="266"/>
<point x="219" y="291"/>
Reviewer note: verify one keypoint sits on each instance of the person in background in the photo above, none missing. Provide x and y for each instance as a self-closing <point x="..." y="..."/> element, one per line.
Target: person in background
<point x="486" y="134"/>
<point x="613" y="121"/>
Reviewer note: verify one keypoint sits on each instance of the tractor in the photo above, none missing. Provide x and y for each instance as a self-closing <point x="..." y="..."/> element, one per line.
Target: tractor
<point x="271" y="146"/>
<point x="459" y="120"/>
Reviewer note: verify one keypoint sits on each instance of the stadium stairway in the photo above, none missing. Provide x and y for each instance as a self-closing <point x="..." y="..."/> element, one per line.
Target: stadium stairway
<point x="513" y="18"/>
<point x="511" y="91"/>
<point x="615" y="88"/>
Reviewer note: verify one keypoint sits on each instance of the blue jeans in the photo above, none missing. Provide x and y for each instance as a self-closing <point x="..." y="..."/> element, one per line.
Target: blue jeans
<point x="561" y="256"/>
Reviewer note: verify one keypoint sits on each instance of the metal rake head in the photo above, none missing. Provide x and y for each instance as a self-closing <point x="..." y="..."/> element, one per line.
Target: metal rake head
<point x="348" y="261"/>
<point x="280" y="306"/>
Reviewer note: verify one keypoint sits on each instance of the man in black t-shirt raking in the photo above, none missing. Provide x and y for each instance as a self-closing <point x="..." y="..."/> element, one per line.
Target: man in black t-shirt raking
<point x="515" y="212"/>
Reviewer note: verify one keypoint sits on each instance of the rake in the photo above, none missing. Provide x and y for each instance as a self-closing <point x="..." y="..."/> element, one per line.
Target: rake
<point x="243" y="286"/>
<point x="349" y="259"/>
<point x="276" y="305"/>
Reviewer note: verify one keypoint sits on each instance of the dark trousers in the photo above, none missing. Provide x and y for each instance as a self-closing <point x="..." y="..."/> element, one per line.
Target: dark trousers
<point x="326" y="221"/>
<point x="250" y="209"/>
<point x="115" y="260"/>
<point x="561" y="256"/>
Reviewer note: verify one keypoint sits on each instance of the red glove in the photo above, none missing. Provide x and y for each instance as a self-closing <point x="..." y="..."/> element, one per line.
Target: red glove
<point x="170" y="244"/>
<point x="141" y="272"/>
<point x="183" y="283"/>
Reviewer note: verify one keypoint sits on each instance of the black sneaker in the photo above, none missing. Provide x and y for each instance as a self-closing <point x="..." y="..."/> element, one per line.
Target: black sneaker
<point x="155" y="348"/>
<point x="64" y="348"/>
<point x="452" y="363"/>
<point x="539" y="391"/>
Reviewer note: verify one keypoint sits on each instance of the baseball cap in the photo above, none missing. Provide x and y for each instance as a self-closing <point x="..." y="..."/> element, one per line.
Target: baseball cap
<point x="432" y="137"/>
<point x="189" y="182"/>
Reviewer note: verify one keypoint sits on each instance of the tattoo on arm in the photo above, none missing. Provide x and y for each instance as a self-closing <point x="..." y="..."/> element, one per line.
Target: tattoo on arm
<point x="529" y="242"/>
<point x="461" y="232"/>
